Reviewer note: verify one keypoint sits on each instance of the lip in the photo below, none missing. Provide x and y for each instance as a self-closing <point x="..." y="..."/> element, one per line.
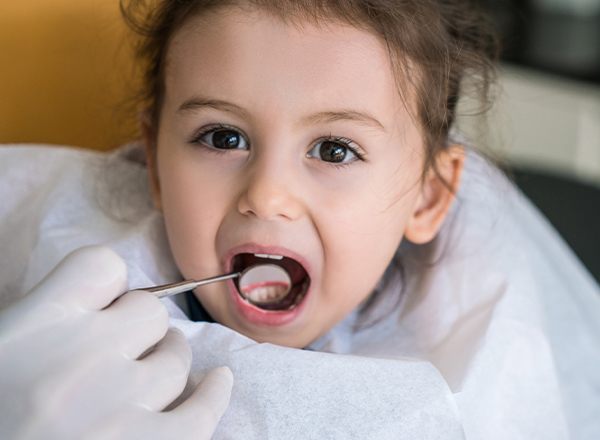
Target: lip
<point x="252" y="313"/>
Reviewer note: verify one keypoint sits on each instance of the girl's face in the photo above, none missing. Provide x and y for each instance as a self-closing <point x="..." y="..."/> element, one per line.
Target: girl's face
<point x="290" y="141"/>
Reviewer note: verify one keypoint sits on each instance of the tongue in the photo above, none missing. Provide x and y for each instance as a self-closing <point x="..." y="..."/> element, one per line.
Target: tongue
<point x="266" y="283"/>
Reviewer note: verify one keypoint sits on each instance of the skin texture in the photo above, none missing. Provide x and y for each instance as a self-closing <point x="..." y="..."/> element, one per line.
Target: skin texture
<point x="345" y="220"/>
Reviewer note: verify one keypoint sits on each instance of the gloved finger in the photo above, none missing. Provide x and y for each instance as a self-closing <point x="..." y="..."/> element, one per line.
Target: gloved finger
<point x="90" y="388"/>
<point x="132" y="324"/>
<point x="90" y="277"/>
<point x="162" y="374"/>
<point x="196" y="418"/>
<point x="202" y="411"/>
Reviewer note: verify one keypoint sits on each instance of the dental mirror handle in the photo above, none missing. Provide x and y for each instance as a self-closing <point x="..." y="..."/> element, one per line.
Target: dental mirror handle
<point x="183" y="286"/>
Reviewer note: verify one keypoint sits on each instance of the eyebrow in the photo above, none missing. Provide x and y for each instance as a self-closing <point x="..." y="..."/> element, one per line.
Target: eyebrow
<point x="346" y="115"/>
<point x="197" y="103"/>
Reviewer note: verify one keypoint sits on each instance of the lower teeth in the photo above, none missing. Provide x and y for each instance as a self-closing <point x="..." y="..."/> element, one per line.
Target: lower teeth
<point x="266" y="294"/>
<point x="284" y="297"/>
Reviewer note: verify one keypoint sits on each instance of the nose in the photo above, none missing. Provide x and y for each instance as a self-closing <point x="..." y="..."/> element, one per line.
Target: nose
<point x="269" y="194"/>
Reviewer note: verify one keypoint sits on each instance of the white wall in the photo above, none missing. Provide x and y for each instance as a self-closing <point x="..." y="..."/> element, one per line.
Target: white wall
<point x="541" y="121"/>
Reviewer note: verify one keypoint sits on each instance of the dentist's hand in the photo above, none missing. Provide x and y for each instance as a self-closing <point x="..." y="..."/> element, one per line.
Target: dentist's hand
<point x="75" y="364"/>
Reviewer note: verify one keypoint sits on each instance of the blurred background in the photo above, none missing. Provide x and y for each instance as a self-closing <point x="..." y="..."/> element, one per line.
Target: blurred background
<point x="68" y="78"/>
<point x="546" y="120"/>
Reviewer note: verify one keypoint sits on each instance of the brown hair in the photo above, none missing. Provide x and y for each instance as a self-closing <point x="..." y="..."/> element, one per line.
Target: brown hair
<point x="434" y="46"/>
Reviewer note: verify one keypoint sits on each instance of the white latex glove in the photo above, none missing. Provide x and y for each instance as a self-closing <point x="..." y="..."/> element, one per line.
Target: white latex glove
<point x="68" y="365"/>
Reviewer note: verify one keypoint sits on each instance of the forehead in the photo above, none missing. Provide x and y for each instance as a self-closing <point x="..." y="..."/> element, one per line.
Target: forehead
<point x="253" y="55"/>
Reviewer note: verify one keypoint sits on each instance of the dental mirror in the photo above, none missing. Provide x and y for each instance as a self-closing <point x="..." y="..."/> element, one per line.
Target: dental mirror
<point x="258" y="284"/>
<point x="264" y="283"/>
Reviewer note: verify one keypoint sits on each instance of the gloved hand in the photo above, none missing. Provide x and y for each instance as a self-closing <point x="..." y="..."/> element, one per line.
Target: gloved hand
<point x="69" y="364"/>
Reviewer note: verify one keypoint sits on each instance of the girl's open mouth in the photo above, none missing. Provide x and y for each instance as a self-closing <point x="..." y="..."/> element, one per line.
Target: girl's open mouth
<point x="269" y="291"/>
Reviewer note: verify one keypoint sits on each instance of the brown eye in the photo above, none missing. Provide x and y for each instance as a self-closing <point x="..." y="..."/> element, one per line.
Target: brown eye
<point x="333" y="152"/>
<point x="224" y="139"/>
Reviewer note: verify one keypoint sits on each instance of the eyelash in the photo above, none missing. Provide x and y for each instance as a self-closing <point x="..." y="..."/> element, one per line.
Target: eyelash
<point x="196" y="139"/>
<point x="345" y="142"/>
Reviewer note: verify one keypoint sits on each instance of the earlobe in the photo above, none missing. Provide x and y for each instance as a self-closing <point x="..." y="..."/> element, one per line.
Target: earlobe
<point x="437" y="194"/>
<point x="149" y="141"/>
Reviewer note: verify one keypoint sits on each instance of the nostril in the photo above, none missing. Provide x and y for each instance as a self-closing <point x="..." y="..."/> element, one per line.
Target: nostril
<point x="270" y="202"/>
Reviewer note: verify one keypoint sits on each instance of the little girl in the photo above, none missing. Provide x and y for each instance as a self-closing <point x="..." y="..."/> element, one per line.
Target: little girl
<point x="316" y="136"/>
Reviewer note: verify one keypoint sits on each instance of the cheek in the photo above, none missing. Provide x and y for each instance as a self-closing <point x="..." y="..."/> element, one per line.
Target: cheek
<point x="375" y="205"/>
<point x="362" y="249"/>
<point x="355" y="266"/>
<point x="360" y="235"/>
<point x="192" y="209"/>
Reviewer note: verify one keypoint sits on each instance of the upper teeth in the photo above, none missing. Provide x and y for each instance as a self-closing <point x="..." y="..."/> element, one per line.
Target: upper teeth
<point x="272" y="257"/>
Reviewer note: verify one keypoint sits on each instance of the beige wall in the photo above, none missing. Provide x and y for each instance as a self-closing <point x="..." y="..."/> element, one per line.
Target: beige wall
<point x="65" y="73"/>
<point x="542" y="121"/>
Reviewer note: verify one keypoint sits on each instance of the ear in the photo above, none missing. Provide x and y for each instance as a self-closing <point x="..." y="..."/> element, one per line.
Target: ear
<point x="149" y="136"/>
<point x="436" y="197"/>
